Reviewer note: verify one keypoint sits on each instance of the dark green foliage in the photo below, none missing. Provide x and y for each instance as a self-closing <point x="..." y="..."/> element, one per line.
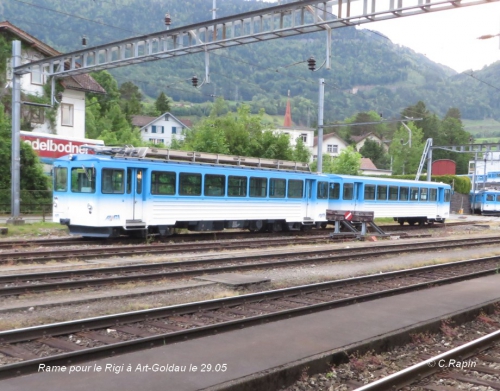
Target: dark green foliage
<point x="162" y="103"/>
<point x="376" y="153"/>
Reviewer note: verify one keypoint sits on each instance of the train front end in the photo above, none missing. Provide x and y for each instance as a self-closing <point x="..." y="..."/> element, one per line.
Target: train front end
<point x="76" y="201"/>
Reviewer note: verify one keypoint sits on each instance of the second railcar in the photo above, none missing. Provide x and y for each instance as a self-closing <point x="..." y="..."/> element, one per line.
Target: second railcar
<point x="486" y="202"/>
<point x="403" y="200"/>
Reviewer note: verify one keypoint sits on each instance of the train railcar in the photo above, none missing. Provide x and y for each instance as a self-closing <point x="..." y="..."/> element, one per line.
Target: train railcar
<point x="403" y="200"/>
<point x="486" y="202"/>
<point x="147" y="191"/>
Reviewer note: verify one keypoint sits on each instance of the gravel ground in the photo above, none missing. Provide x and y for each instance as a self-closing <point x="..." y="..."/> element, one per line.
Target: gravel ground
<point x="37" y="309"/>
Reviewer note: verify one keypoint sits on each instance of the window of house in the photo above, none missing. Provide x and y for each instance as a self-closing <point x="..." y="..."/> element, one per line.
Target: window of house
<point x="332" y="148"/>
<point x="153" y="129"/>
<point x="303" y="136"/>
<point x="174" y="130"/>
<point x="67" y="113"/>
<point x="37" y="76"/>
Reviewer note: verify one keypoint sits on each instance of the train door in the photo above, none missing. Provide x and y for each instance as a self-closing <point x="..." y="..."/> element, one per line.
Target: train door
<point x="135" y="194"/>
<point x="309" y="197"/>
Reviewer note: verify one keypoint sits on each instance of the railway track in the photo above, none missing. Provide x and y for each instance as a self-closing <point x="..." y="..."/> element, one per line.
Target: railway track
<point x="460" y="368"/>
<point x="181" y="238"/>
<point x="23" y="350"/>
<point x="17" y="284"/>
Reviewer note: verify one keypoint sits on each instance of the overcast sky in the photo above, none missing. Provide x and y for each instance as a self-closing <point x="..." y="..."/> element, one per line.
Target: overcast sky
<point x="448" y="37"/>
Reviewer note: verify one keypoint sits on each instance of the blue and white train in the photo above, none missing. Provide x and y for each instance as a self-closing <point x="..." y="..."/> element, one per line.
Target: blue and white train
<point x="486" y="202"/>
<point x="139" y="191"/>
<point x="403" y="200"/>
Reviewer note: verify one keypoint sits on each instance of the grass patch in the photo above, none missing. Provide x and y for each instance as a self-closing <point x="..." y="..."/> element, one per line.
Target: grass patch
<point x="36" y="229"/>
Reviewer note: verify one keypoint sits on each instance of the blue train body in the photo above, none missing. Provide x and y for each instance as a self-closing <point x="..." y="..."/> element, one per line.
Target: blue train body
<point x="486" y="202"/>
<point x="109" y="195"/>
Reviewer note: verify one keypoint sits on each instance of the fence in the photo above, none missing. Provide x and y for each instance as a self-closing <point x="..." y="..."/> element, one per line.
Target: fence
<point x="32" y="203"/>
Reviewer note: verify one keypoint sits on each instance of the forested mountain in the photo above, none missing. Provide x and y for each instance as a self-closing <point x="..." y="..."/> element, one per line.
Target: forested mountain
<point x="368" y="71"/>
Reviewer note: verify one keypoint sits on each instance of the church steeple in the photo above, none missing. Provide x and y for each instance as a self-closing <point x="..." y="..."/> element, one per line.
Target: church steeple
<point x="288" y="113"/>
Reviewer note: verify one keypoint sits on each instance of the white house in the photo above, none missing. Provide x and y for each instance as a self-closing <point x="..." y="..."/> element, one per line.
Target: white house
<point x="70" y="115"/>
<point x="296" y="132"/>
<point x="160" y="130"/>
<point x="332" y="145"/>
<point x="368" y="168"/>
<point x="361" y="139"/>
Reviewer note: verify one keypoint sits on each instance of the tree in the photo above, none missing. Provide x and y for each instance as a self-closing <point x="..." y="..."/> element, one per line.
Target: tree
<point x="406" y="159"/>
<point x="34" y="183"/>
<point x="376" y="153"/>
<point x="348" y="163"/>
<point x="162" y="103"/>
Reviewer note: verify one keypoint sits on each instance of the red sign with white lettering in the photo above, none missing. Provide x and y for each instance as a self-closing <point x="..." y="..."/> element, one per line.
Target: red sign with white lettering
<point x="52" y="148"/>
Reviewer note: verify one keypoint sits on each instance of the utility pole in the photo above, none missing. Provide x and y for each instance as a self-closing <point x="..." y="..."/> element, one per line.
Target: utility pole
<point x="320" y="124"/>
<point x="16" y="137"/>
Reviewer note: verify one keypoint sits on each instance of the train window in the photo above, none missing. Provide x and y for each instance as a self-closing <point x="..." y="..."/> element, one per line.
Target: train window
<point x="322" y="190"/>
<point x="162" y="183"/>
<point x="348" y="191"/>
<point x="413" y="193"/>
<point x="393" y="193"/>
<point x="490" y="197"/>
<point x="295" y="188"/>
<point x="498" y="198"/>
<point x="215" y="185"/>
<point x="423" y="194"/>
<point x="381" y="192"/>
<point x="403" y="193"/>
<point x="334" y="193"/>
<point x="258" y="187"/>
<point x="112" y="181"/>
<point x="432" y="194"/>
<point x="83" y="180"/>
<point x="277" y="188"/>
<point x="237" y="186"/>
<point x="189" y="184"/>
<point x="369" y="192"/>
<point x="60" y="179"/>
<point x="447" y="195"/>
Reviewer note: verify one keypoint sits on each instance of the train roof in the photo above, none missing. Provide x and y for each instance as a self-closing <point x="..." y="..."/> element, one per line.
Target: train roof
<point x="153" y="155"/>
<point x="388" y="180"/>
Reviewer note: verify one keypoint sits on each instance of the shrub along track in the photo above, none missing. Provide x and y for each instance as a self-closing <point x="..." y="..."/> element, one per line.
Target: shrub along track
<point x="26" y="283"/>
<point x="75" y="341"/>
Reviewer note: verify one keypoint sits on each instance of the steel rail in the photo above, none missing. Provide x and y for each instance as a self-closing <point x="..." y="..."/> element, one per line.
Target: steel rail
<point x="64" y="328"/>
<point x="156" y="271"/>
<point x="428" y="367"/>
